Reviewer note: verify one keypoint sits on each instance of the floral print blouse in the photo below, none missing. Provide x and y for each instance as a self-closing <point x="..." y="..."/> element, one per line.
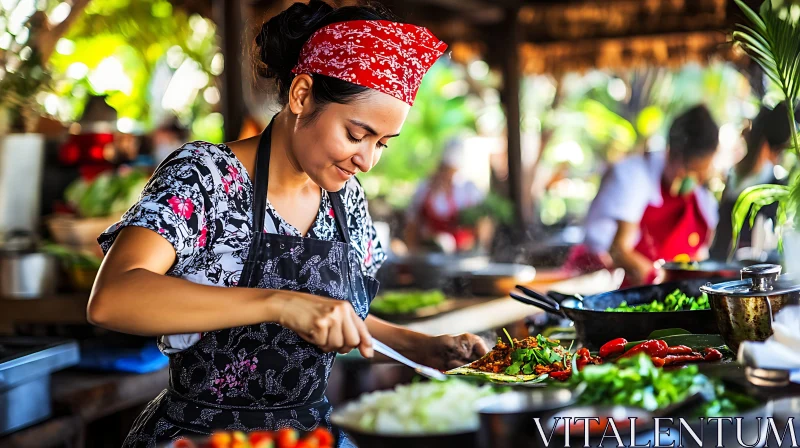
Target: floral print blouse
<point x="199" y="199"/>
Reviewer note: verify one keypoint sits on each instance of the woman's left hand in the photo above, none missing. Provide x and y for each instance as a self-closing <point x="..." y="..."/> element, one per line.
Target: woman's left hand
<point x="448" y="352"/>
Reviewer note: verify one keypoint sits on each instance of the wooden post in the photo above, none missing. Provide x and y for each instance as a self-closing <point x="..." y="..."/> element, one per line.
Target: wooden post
<point x="228" y="17"/>
<point x="512" y="31"/>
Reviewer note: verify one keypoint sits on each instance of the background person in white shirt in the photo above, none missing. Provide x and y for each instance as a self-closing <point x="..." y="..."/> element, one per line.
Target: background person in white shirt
<point x="654" y="206"/>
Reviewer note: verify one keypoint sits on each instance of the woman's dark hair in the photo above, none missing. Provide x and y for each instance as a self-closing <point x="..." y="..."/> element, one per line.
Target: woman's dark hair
<point x="693" y="134"/>
<point x="278" y="45"/>
<point x="771" y="127"/>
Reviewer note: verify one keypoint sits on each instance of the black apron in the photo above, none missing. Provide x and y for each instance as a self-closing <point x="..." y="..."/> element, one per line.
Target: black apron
<point x="261" y="377"/>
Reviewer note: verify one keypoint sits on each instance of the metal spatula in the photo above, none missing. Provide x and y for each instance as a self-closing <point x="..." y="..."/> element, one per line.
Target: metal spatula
<point x="428" y="372"/>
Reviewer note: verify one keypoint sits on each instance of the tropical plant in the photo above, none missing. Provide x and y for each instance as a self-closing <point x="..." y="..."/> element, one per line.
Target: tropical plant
<point x="772" y="39"/>
<point x="29" y="31"/>
<point x="150" y="59"/>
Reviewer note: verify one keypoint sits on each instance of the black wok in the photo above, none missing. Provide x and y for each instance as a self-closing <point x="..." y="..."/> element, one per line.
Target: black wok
<point x="595" y="326"/>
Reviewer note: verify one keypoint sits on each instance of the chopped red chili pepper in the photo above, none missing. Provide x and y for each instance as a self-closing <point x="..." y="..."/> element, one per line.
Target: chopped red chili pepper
<point x="672" y="360"/>
<point x="613" y="347"/>
<point x="562" y="375"/>
<point x="679" y="350"/>
<point x="653" y="347"/>
<point x="658" y="362"/>
<point x="712" y="354"/>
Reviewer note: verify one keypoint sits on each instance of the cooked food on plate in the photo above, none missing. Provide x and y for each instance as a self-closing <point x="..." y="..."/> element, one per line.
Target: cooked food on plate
<point x="532" y="359"/>
<point x="420" y="408"/>
<point x="675" y="301"/>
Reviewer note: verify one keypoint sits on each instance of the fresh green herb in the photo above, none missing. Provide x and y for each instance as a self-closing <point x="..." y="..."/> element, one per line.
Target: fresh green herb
<point x="526" y="359"/>
<point x="637" y="382"/>
<point x="675" y="301"/>
<point x="397" y="302"/>
<point x="510" y="339"/>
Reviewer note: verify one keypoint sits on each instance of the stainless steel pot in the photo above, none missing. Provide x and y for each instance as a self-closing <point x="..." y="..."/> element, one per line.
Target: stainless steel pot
<point x="507" y="419"/>
<point x="744" y="309"/>
<point x="27" y="274"/>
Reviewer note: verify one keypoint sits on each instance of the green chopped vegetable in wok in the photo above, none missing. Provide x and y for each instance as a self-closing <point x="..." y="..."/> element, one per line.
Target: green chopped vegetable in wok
<point x="637" y="382"/>
<point x="399" y="302"/>
<point x="675" y="301"/>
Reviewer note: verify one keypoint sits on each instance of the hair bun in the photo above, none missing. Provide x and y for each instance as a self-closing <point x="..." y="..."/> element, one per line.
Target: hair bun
<point x="280" y="40"/>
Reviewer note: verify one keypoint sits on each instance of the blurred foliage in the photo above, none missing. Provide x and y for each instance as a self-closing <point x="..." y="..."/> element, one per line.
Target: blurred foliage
<point x="22" y="74"/>
<point x="500" y="209"/>
<point x="441" y="111"/>
<point x="122" y="47"/>
<point x="771" y="37"/>
<point x="108" y="194"/>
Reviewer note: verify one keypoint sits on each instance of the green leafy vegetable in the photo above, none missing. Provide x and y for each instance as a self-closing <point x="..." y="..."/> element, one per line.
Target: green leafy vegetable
<point x="526" y="359"/>
<point x="637" y="382"/>
<point x="675" y="301"/>
<point x="108" y="194"/>
<point x="73" y="259"/>
<point x="397" y="302"/>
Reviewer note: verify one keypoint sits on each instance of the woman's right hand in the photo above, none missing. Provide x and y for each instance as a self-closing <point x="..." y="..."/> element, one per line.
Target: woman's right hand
<point x="330" y="324"/>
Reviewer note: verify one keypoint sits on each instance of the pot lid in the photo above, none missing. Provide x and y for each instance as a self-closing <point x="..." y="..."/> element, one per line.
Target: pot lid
<point x="759" y="280"/>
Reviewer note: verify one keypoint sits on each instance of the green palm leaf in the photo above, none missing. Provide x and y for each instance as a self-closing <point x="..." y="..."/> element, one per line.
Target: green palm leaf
<point x="772" y="39"/>
<point x="751" y="201"/>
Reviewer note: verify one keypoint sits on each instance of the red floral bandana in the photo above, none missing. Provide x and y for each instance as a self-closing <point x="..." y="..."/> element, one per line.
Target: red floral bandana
<point x="389" y="57"/>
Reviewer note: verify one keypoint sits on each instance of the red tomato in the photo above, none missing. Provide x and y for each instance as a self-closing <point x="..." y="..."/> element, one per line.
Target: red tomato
<point x="184" y="443"/>
<point x="287" y="438"/>
<point x="323" y="435"/>
<point x="262" y="439"/>
<point x="309" y="442"/>
<point x="220" y="440"/>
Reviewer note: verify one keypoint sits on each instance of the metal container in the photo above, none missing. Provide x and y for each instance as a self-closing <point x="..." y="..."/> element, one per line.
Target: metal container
<point x="507" y="420"/>
<point x="744" y="309"/>
<point x="27" y="274"/>
<point x="25" y="368"/>
<point x="496" y="279"/>
<point x="674" y="271"/>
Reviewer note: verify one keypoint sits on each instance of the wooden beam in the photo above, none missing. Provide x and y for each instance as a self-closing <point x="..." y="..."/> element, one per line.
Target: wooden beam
<point x="228" y="17"/>
<point x="511" y="38"/>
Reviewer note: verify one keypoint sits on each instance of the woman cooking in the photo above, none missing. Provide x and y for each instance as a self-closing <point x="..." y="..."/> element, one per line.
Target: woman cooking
<point x="654" y="206"/>
<point x="256" y="258"/>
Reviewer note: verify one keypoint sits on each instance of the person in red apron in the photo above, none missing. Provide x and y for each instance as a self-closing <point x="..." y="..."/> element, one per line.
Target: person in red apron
<point x="434" y="215"/>
<point x="653" y="208"/>
<point x="254" y="261"/>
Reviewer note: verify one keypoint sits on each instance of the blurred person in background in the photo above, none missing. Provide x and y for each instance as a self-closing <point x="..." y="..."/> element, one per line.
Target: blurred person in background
<point x="654" y="206"/>
<point x="166" y="138"/>
<point x="433" y="218"/>
<point x="766" y="140"/>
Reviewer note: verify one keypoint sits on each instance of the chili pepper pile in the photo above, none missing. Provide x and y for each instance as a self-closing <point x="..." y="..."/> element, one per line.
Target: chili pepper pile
<point x="284" y="438"/>
<point x="659" y="352"/>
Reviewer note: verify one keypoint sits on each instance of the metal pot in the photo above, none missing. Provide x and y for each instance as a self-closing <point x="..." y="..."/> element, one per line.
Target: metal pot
<point x="507" y="419"/>
<point x="674" y="271"/>
<point x="744" y="309"/>
<point x="27" y="274"/>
